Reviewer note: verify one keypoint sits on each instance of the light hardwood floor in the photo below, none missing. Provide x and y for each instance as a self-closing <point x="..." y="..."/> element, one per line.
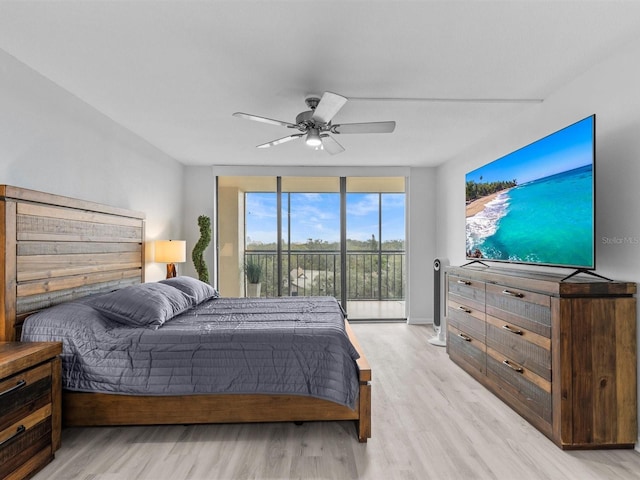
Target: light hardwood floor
<point x="430" y="421"/>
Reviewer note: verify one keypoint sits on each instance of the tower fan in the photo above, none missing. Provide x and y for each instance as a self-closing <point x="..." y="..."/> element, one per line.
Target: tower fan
<point x="439" y="321"/>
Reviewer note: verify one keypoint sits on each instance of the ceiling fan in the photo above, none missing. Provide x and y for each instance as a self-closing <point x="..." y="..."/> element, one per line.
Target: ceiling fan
<point x="315" y="124"/>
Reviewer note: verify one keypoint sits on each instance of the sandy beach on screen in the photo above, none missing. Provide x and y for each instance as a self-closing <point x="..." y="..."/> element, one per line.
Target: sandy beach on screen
<point x="478" y="205"/>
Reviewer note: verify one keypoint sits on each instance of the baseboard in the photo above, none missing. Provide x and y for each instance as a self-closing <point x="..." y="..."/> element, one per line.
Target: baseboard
<point x="419" y="321"/>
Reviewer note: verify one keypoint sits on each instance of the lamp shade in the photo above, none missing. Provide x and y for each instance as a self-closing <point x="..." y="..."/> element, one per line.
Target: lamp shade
<point x="170" y="251"/>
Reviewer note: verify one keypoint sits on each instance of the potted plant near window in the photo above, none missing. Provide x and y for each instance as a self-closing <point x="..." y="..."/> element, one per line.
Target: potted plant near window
<point x="253" y="271"/>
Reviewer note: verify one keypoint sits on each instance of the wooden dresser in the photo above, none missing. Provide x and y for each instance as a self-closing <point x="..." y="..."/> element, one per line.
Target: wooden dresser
<point x="30" y="393"/>
<point x="560" y="353"/>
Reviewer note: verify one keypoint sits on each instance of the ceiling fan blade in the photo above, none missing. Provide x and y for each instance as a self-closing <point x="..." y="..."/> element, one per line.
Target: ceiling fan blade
<point x="280" y="140"/>
<point x="263" y="119"/>
<point x="329" y="105"/>
<point x="370" y="127"/>
<point x="330" y="145"/>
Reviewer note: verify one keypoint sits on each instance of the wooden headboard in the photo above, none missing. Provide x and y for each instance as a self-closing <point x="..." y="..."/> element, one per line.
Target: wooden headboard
<point x="55" y="249"/>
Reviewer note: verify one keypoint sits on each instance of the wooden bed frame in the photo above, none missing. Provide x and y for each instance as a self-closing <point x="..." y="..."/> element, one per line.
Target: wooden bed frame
<point x="55" y="249"/>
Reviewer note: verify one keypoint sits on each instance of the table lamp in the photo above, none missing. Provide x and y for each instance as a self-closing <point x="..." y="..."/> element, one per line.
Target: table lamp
<point x="170" y="252"/>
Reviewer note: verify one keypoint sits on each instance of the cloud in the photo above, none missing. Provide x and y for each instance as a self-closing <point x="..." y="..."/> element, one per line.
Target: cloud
<point x="367" y="204"/>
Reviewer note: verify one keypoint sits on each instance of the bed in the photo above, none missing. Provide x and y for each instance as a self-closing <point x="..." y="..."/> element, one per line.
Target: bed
<point x="59" y="250"/>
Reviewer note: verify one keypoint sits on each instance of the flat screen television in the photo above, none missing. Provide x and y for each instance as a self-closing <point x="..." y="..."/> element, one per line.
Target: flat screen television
<point x="537" y="204"/>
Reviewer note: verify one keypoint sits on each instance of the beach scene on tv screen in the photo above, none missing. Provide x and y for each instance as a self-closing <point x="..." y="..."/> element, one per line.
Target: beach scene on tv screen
<point x="535" y="205"/>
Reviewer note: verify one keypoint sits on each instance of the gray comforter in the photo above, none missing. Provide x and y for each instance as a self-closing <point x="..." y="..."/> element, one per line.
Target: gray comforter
<point x="290" y="345"/>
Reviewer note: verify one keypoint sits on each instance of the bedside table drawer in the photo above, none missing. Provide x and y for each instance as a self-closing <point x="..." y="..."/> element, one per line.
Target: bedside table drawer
<point x="26" y="439"/>
<point x="24" y="393"/>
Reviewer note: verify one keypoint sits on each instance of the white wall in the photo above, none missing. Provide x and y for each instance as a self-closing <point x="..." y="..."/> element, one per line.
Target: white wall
<point x="610" y="90"/>
<point x="52" y="141"/>
<point x="421" y="226"/>
<point x="199" y="199"/>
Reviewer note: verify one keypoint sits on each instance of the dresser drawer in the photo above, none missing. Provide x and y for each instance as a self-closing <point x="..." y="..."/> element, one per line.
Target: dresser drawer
<point x="466" y="320"/>
<point x="521" y="308"/>
<point x="525" y="348"/>
<point x="464" y="291"/>
<point x="466" y="351"/>
<point x="523" y="386"/>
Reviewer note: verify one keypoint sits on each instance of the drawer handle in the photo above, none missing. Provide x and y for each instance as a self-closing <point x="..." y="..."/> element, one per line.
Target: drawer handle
<point x="464" y="337"/>
<point x="512" y="330"/>
<point x="19" y="430"/>
<point x="18" y="386"/>
<point x="464" y="282"/>
<point x="465" y="310"/>
<point x="513" y="294"/>
<point x="513" y="367"/>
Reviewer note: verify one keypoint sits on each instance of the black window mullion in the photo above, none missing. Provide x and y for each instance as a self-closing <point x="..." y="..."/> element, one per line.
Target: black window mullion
<point x="343" y="242"/>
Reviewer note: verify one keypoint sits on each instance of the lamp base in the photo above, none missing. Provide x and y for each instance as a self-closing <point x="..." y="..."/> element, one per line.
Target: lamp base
<point x="171" y="270"/>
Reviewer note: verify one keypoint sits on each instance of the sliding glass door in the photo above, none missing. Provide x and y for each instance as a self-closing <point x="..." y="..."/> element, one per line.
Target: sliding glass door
<point x="336" y="236"/>
<point x="375" y="247"/>
<point x="311" y="235"/>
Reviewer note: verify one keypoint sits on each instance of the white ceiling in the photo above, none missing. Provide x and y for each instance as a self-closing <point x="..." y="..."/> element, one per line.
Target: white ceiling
<point x="173" y="72"/>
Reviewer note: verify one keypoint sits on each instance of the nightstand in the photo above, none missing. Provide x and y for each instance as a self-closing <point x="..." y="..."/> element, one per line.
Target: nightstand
<point x="30" y="413"/>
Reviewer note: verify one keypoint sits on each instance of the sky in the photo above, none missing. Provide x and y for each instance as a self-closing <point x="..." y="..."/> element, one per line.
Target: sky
<point x="564" y="150"/>
<point x="317" y="216"/>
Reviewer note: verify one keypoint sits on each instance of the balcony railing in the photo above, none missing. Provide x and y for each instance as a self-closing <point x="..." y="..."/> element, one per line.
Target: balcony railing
<point x="369" y="276"/>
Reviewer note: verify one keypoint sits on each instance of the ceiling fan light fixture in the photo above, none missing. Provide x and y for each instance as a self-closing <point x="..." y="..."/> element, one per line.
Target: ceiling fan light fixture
<point x="315" y="124"/>
<point x="313" y="138"/>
